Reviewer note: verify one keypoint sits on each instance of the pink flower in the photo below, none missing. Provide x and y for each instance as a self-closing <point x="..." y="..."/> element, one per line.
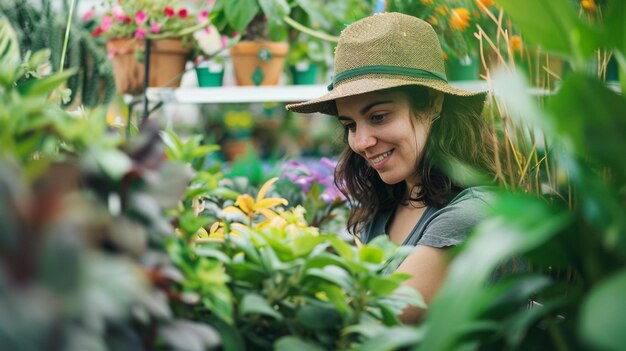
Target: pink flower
<point x="211" y="2"/>
<point x="128" y="20"/>
<point x="155" y="28"/>
<point x="140" y="17"/>
<point x="118" y="13"/>
<point x="140" y="33"/>
<point x="111" y="54"/>
<point x="87" y="16"/>
<point x="182" y="13"/>
<point x="224" y="39"/>
<point x="169" y="12"/>
<point x="207" y="29"/>
<point x="106" y="24"/>
<point x="203" y="16"/>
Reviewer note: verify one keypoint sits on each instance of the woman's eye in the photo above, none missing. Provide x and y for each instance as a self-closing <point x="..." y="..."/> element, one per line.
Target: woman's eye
<point x="378" y="117"/>
<point x="350" y="126"/>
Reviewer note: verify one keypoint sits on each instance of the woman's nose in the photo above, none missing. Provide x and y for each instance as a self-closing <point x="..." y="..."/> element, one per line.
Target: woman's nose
<point x="363" y="139"/>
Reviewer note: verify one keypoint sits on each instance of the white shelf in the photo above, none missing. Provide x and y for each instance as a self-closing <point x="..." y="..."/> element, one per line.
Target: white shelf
<point x="246" y="94"/>
<point x="290" y="93"/>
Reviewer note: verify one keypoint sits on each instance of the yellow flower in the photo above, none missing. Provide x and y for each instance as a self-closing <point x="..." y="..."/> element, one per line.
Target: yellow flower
<point x="516" y="43"/>
<point x="485" y="3"/>
<point x="589" y="5"/>
<point x="441" y="9"/>
<point x="427" y="2"/>
<point x="250" y="207"/>
<point x="459" y="18"/>
<point x="432" y="20"/>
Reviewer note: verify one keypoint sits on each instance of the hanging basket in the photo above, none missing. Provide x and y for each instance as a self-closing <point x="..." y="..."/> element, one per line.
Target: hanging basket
<point x="167" y="63"/>
<point x="258" y="63"/>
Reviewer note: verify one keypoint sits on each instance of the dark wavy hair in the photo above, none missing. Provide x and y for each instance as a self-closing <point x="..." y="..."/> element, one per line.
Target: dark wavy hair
<point x="460" y="135"/>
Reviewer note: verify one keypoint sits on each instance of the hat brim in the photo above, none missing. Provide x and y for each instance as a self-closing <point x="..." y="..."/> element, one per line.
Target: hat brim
<point x="366" y="84"/>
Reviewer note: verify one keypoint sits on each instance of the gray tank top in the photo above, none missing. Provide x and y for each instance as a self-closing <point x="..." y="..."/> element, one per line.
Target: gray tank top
<point x="440" y="227"/>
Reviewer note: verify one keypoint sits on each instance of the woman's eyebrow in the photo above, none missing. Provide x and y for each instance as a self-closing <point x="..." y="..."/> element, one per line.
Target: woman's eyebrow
<point x="372" y="104"/>
<point x="366" y="108"/>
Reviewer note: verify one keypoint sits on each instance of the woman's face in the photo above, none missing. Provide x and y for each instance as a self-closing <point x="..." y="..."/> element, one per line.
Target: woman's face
<point x="384" y="131"/>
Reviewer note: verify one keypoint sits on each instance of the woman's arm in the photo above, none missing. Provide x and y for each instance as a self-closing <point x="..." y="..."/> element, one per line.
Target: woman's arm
<point x="428" y="267"/>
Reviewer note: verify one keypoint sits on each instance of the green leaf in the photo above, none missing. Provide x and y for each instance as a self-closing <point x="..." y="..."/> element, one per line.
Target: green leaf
<point x="113" y="163"/>
<point x="173" y="144"/>
<point x="205" y="251"/>
<point x="343" y="249"/>
<point x="9" y="53"/>
<point x="256" y="304"/>
<point x="203" y="150"/>
<point x="46" y="85"/>
<point x="317" y="317"/>
<point x="615" y="25"/>
<point x="519" y="224"/>
<point x="554" y="25"/>
<point x="371" y="254"/>
<point x="239" y="13"/>
<point x="303" y="245"/>
<point x="602" y="321"/>
<point x="394" y="339"/>
<point x="275" y="10"/>
<point x="332" y="274"/>
<point x="291" y="343"/>
<point x="381" y="285"/>
<point x="592" y="116"/>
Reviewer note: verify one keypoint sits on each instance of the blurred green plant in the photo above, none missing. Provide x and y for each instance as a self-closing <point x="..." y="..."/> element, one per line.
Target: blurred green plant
<point x="42" y="27"/>
<point x="83" y="225"/>
<point x="562" y="212"/>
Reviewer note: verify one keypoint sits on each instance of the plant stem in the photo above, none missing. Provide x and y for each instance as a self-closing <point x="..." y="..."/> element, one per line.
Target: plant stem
<point x="310" y="31"/>
<point x="67" y="34"/>
<point x="182" y="32"/>
<point x="557" y="337"/>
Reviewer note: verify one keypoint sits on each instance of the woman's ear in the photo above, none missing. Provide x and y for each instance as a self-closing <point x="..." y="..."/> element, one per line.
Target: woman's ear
<point x="435" y="98"/>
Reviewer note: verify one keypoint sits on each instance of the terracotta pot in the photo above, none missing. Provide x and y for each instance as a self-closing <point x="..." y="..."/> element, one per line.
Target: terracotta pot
<point x="167" y="63"/>
<point x="258" y="62"/>
<point x="236" y="148"/>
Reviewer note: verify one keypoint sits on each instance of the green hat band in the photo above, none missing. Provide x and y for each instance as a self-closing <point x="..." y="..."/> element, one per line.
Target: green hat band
<point x="383" y="69"/>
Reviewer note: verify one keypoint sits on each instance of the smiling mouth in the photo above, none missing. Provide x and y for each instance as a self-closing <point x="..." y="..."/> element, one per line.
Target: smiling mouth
<point x="381" y="158"/>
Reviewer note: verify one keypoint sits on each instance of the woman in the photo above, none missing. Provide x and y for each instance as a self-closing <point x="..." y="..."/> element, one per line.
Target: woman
<point x="405" y="129"/>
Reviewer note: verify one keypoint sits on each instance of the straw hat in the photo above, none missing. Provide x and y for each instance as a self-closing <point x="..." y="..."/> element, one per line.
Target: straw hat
<point x="384" y="51"/>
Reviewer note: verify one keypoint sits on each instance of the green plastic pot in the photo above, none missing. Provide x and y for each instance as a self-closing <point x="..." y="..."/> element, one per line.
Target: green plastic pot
<point x="304" y="73"/>
<point x="465" y="68"/>
<point x="210" y="76"/>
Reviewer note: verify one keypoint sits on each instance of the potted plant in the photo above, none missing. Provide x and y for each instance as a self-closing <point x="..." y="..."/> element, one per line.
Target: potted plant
<point x="209" y="58"/>
<point x="261" y="27"/>
<point x="311" y="55"/>
<point x="306" y="58"/>
<point x="169" y="26"/>
<point x="259" y="56"/>
<point x="454" y="21"/>
<point x="238" y="126"/>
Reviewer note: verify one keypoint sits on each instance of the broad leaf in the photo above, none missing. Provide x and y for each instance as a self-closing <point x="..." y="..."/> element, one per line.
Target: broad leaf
<point x="602" y="321"/>
<point x="553" y="25"/>
<point x="256" y="304"/>
<point x="239" y="13"/>
<point x="291" y="343"/>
